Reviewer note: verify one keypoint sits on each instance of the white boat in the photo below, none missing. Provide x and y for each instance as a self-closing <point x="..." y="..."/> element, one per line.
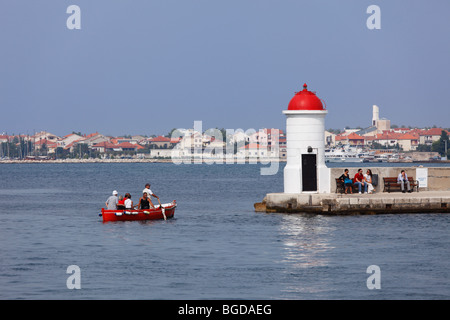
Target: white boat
<point x="382" y="157"/>
<point x="342" y="156"/>
<point x="394" y="158"/>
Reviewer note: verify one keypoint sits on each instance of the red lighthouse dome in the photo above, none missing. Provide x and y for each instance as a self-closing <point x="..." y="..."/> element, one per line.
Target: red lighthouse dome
<point x="305" y="100"/>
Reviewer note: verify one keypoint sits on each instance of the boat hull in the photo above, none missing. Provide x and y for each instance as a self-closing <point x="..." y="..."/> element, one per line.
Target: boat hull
<point x="344" y="160"/>
<point x="140" y="215"/>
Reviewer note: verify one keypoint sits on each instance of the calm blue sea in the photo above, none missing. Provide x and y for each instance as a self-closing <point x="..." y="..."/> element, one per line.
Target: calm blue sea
<point x="216" y="247"/>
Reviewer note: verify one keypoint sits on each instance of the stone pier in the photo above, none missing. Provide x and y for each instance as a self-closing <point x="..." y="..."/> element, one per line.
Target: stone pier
<point x="337" y="204"/>
<point x="433" y="196"/>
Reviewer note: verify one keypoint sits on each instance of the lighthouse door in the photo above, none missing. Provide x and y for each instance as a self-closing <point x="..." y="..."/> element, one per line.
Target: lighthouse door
<point x="309" y="172"/>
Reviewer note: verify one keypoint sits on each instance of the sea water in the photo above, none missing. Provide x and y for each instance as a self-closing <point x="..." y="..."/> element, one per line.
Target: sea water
<point x="216" y="247"/>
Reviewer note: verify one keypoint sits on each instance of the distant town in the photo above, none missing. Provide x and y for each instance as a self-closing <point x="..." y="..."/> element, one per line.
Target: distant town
<point x="380" y="138"/>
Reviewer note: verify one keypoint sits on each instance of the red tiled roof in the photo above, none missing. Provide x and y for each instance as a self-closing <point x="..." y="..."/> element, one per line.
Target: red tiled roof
<point x="408" y="136"/>
<point x="48" y="143"/>
<point x="354" y="136"/>
<point x="70" y="134"/>
<point x="432" y="132"/>
<point x="159" y="139"/>
<point x="109" y="145"/>
<point x="416" y="131"/>
<point x="41" y="141"/>
<point x="386" y="135"/>
<point x="91" y="135"/>
<point x="126" y="145"/>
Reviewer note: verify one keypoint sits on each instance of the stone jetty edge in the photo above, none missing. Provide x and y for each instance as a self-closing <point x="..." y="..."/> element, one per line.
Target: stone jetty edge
<point x="338" y="204"/>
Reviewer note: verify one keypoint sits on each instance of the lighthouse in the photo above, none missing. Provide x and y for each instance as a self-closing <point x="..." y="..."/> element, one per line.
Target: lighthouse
<point x="305" y="170"/>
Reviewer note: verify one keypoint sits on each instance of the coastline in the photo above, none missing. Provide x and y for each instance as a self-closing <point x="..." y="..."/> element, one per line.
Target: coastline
<point x="88" y="161"/>
<point x="209" y="161"/>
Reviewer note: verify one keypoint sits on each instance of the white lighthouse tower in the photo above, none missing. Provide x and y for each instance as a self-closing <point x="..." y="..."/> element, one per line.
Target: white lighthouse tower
<point x="305" y="170"/>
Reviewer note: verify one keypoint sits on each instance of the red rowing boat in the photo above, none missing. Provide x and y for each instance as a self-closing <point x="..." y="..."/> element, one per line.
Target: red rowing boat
<point x="165" y="211"/>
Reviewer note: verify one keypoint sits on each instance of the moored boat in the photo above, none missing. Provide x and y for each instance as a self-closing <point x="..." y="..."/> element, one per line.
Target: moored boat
<point x="342" y="156"/>
<point x="165" y="211"/>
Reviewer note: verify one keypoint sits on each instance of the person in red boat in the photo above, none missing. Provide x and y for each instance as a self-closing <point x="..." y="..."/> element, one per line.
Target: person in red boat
<point x="111" y="203"/>
<point x="150" y="193"/>
<point x="128" y="202"/>
<point x="121" y="203"/>
<point x="145" y="202"/>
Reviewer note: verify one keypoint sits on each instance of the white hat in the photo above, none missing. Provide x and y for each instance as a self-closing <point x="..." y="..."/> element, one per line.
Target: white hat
<point x="114" y="192"/>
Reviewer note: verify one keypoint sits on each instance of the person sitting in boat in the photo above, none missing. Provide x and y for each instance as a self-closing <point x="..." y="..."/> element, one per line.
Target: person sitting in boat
<point x="348" y="183"/>
<point x="121" y="203"/>
<point x="111" y="203"/>
<point x="150" y="192"/>
<point x="145" y="202"/>
<point x="360" y="181"/>
<point x="128" y="202"/>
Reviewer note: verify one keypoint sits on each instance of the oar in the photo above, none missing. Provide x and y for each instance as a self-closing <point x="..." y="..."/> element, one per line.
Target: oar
<point x="162" y="209"/>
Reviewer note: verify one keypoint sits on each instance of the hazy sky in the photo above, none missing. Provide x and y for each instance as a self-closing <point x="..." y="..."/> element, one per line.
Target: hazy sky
<point x="145" y="67"/>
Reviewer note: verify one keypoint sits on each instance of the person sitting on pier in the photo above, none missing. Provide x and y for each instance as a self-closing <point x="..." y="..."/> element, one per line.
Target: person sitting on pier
<point x="368" y="178"/>
<point x="403" y="179"/>
<point x="348" y="183"/>
<point x="360" y="181"/>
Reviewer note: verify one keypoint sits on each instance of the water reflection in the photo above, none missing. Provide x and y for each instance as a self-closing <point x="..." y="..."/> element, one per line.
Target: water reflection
<point x="306" y="247"/>
<point x="306" y="239"/>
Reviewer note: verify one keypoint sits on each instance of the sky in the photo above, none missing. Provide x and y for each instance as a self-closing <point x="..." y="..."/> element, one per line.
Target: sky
<point x="145" y="67"/>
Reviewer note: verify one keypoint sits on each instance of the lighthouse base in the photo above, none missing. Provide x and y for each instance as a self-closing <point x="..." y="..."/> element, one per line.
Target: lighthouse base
<point x="303" y="179"/>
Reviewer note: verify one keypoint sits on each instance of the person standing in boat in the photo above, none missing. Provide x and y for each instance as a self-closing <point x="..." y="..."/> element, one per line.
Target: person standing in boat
<point x="111" y="203"/>
<point x="145" y="202"/>
<point x="150" y="193"/>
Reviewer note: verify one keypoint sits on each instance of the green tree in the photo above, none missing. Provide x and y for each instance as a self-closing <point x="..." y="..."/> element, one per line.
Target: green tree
<point x="423" y="148"/>
<point x="80" y="150"/>
<point x="44" y="149"/>
<point x="169" y="135"/>
<point x="439" y="145"/>
<point x="61" y="153"/>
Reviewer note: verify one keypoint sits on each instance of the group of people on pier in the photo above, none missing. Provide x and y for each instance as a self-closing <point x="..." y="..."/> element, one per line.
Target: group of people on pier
<point x="361" y="180"/>
<point x="366" y="181"/>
